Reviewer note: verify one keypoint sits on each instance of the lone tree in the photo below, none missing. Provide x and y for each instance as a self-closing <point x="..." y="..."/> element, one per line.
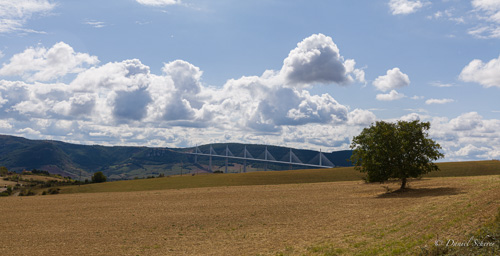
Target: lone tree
<point x="395" y="151"/>
<point x="98" y="177"/>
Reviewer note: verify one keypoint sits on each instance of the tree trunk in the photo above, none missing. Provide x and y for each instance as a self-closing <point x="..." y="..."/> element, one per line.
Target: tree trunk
<point x="403" y="184"/>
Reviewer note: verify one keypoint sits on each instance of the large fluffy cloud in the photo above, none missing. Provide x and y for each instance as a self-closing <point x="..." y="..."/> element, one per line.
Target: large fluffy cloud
<point x="486" y="74"/>
<point x="394" y="79"/>
<point x="265" y="105"/>
<point x="119" y="91"/>
<point x="299" y="108"/>
<point x="41" y="64"/>
<point x="317" y="59"/>
<point x="15" y="13"/>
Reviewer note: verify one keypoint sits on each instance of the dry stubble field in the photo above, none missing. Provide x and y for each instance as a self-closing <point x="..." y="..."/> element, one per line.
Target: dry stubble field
<point x="293" y="219"/>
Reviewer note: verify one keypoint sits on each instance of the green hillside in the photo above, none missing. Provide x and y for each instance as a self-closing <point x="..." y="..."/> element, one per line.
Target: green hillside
<point x="119" y="163"/>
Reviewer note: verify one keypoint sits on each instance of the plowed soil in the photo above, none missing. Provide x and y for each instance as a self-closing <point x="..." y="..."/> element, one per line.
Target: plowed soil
<point x="294" y="219"/>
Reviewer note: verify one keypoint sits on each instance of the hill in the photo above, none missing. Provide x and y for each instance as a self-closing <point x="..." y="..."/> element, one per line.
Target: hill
<point x="119" y="163"/>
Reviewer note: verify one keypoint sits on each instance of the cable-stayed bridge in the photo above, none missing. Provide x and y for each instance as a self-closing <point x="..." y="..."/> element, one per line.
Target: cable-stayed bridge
<point x="319" y="161"/>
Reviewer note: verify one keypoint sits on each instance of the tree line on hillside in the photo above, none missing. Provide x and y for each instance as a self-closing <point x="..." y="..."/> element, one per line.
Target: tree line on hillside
<point x="27" y="186"/>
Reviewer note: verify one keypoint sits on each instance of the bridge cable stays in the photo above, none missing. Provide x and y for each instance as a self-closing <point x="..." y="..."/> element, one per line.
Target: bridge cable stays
<point x="266" y="155"/>
<point x="211" y="152"/>
<point x="319" y="161"/>
<point x="227" y="153"/>
<point x="322" y="160"/>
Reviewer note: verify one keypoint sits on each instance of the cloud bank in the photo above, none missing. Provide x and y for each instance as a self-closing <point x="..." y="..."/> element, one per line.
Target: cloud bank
<point x="124" y="103"/>
<point x="59" y="93"/>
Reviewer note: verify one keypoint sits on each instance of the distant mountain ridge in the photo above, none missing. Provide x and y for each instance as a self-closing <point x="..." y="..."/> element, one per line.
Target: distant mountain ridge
<point x="127" y="162"/>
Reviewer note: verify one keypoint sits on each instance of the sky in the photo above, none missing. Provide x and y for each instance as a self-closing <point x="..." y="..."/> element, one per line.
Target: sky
<point x="305" y="74"/>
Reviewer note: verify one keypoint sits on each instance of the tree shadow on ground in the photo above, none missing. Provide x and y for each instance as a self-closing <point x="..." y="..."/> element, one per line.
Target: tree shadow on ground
<point x="421" y="192"/>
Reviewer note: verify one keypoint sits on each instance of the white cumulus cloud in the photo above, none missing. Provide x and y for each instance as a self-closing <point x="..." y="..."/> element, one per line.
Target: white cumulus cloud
<point x="411" y="117"/>
<point x="41" y="64"/>
<point x="361" y="117"/>
<point x="472" y="151"/>
<point x="394" y="79"/>
<point x="317" y="59"/>
<point x="405" y="6"/>
<point x="486" y="74"/>
<point x="466" y="122"/>
<point x="392" y="95"/>
<point x="262" y="104"/>
<point x="467" y="137"/>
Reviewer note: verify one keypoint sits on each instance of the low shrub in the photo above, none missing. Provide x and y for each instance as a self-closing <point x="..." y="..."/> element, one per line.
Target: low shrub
<point x="53" y="191"/>
<point x="27" y="192"/>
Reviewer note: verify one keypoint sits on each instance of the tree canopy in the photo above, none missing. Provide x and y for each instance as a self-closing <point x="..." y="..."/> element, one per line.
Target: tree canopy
<point x="399" y="150"/>
<point x="98" y="177"/>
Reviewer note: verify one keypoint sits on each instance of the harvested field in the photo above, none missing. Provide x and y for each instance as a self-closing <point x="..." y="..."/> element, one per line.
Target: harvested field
<point x="347" y="217"/>
<point x="473" y="168"/>
<point x="4" y="183"/>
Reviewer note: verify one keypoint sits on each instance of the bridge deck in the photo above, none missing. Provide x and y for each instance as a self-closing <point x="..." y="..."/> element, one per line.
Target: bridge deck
<point x="261" y="160"/>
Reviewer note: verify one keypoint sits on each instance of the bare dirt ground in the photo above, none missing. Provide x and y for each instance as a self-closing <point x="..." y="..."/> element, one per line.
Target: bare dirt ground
<point x="343" y="217"/>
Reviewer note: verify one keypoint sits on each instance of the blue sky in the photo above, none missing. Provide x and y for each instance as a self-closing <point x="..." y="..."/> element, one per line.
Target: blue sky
<point x="308" y="74"/>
